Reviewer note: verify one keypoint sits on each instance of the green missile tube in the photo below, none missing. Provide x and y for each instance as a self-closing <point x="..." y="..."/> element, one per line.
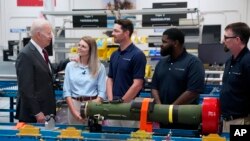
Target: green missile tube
<point x="207" y="115"/>
<point x="182" y="114"/>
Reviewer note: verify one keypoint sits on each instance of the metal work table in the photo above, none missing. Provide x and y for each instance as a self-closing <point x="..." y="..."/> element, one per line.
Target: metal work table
<point x="8" y="133"/>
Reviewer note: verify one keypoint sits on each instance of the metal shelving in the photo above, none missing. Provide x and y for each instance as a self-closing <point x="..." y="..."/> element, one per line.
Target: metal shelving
<point x="122" y="12"/>
<point x="192" y="39"/>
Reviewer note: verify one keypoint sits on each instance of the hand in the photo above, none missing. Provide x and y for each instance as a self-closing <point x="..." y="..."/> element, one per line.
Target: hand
<point x="40" y="118"/>
<point x="97" y="100"/>
<point x="117" y="101"/>
<point x="75" y="59"/>
<point x="110" y="98"/>
<point x="77" y="116"/>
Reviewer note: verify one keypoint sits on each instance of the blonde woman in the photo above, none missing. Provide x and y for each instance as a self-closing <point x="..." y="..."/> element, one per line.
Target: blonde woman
<point x="84" y="80"/>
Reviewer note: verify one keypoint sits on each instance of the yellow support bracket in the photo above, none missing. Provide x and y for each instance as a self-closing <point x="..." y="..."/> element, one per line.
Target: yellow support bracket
<point x="140" y="135"/>
<point x="73" y="50"/>
<point x="70" y="133"/>
<point x="29" y="130"/>
<point x="213" y="137"/>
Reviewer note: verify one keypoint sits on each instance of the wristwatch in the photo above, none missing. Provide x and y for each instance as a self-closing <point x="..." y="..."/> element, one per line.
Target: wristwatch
<point x="121" y="100"/>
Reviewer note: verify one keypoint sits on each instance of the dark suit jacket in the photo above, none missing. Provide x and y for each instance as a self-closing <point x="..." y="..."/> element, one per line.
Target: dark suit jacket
<point x="35" y="85"/>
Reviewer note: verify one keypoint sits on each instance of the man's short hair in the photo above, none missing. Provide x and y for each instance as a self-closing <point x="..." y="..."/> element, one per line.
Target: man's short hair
<point x="126" y="25"/>
<point x="175" y="34"/>
<point x="240" y="29"/>
<point x="38" y="25"/>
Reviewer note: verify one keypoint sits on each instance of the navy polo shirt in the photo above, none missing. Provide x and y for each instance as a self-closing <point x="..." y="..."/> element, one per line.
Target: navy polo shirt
<point x="235" y="94"/>
<point x="173" y="77"/>
<point x="125" y="66"/>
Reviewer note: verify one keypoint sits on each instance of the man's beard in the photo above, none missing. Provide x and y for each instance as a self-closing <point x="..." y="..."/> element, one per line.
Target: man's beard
<point x="116" y="41"/>
<point x="167" y="51"/>
<point x="226" y="48"/>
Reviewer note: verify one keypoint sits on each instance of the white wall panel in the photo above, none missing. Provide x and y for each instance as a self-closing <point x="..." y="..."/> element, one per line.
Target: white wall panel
<point x="214" y="12"/>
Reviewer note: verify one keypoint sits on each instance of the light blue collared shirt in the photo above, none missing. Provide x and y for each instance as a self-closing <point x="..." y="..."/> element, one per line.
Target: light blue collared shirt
<point x="78" y="81"/>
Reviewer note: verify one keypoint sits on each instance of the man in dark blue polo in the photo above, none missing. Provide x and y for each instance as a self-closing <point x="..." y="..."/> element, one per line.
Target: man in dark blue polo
<point x="235" y="93"/>
<point x="179" y="76"/>
<point x="127" y="66"/>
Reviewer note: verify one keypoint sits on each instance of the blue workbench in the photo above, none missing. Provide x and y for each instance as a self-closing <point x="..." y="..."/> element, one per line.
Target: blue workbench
<point x="7" y="133"/>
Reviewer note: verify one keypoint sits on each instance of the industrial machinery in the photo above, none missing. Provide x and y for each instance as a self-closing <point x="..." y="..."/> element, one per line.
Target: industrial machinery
<point x="205" y="116"/>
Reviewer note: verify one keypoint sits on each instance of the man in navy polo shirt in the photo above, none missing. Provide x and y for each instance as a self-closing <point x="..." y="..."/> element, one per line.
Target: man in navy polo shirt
<point x="127" y="65"/>
<point x="235" y="94"/>
<point x="179" y="76"/>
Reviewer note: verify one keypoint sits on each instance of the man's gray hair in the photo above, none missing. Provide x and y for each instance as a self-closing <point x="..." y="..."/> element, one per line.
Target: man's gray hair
<point x="38" y="25"/>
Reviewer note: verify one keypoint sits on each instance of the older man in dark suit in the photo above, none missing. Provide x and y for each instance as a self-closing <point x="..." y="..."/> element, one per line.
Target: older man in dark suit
<point x="36" y="97"/>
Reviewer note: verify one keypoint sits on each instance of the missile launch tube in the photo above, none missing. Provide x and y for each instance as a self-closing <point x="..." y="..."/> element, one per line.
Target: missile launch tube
<point x="183" y="114"/>
<point x="207" y="114"/>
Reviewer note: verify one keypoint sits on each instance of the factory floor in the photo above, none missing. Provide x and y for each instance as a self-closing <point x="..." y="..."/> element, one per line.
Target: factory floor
<point x="61" y="117"/>
<point x="4" y="104"/>
<point x="7" y="68"/>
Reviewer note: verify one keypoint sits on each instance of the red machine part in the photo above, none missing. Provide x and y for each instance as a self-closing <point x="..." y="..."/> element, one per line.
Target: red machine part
<point x="210" y="115"/>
